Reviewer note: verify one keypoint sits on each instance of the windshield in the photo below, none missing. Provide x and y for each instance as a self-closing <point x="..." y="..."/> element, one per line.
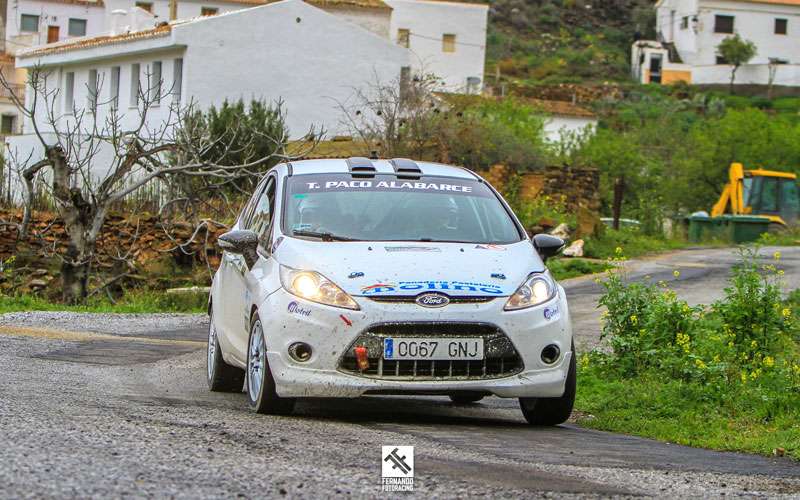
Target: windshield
<point x="385" y="208"/>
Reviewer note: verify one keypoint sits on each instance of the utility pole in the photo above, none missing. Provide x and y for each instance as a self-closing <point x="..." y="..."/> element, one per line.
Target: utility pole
<point x="173" y="10"/>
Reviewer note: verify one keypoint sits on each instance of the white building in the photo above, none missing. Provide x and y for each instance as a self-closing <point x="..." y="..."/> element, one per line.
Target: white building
<point x="690" y="31"/>
<point x="309" y="58"/>
<point x="564" y="118"/>
<point x="447" y="39"/>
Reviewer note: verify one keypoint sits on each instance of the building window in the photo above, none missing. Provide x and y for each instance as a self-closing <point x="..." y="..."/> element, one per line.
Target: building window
<point x="7" y="126"/>
<point x="148" y="6"/>
<point x="134" y="85"/>
<point x="781" y="26"/>
<point x="403" y="37"/>
<point x="155" y="83"/>
<point x="209" y="11"/>
<point x="684" y="22"/>
<point x="29" y="23"/>
<point x="448" y="43"/>
<point x="77" y="27"/>
<point x="115" y="70"/>
<point x="91" y="94"/>
<point x="69" y="92"/>
<point x="721" y="60"/>
<point x="723" y="24"/>
<point x="177" y="79"/>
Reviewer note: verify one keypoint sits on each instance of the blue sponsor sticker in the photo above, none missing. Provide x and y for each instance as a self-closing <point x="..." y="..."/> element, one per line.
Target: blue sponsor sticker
<point x="388" y="348"/>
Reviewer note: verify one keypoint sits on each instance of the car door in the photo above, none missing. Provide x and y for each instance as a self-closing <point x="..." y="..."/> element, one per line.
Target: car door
<point x="227" y="303"/>
<point x="241" y="284"/>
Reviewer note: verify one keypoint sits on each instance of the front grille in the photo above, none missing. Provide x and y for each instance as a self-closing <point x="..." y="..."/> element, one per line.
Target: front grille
<point x="405" y="299"/>
<point x="501" y="359"/>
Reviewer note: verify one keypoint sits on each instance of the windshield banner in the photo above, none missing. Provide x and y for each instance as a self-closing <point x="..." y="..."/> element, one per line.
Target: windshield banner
<point x="344" y="182"/>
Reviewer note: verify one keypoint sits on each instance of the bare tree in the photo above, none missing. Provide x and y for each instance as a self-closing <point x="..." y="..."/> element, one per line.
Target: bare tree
<point x="398" y="118"/>
<point x="93" y="157"/>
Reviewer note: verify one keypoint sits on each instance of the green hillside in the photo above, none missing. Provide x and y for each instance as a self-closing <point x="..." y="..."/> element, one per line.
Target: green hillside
<point x="558" y="41"/>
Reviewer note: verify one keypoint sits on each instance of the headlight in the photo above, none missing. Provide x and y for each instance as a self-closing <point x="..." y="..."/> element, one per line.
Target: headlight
<point x="311" y="285"/>
<point x="537" y="289"/>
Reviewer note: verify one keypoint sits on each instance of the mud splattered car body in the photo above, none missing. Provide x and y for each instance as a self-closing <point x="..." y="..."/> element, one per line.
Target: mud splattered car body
<point x="350" y="277"/>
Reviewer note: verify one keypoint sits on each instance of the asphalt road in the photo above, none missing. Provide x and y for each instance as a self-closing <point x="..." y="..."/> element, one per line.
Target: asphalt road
<point x="112" y="407"/>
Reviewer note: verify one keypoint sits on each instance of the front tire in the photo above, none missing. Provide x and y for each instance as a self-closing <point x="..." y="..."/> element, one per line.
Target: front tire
<point x="260" y="384"/>
<point x="221" y="376"/>
<point x="552" y="411"/>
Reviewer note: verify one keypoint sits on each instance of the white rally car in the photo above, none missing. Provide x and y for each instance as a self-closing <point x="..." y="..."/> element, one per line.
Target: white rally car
<point x="350" y="277"/>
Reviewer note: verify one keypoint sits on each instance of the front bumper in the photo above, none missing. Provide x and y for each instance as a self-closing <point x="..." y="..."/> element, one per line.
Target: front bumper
<point x="331" y="331"/>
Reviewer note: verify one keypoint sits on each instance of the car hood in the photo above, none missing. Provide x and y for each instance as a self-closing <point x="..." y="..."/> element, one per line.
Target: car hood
<point x="400" y="268"/>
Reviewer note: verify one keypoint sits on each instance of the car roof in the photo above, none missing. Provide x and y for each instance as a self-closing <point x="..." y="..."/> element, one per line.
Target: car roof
<point x="336" y="166"/>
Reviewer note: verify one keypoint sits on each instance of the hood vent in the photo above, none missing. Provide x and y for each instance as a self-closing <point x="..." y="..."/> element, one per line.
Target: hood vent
<point x="361" y="167"/>
<point x="405" y="168"/>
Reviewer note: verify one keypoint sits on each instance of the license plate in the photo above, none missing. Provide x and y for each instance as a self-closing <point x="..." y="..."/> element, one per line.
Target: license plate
<point x="440" y="349"/>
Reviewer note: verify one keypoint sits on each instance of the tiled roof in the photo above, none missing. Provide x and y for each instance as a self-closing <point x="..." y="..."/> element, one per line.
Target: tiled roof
<point x="775" y="2"/>
<point x="363" y="4"/>
<point x="92" y="3"/>
<point x="97" y="41"/>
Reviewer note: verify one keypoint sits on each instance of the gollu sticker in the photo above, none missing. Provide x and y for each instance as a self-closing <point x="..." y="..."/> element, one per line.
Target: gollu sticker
<point x="297" y="309"/>
<point x="550" y="313"/>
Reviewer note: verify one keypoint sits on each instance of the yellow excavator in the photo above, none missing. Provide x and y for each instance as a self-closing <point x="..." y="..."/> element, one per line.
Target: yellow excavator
<point x="760" y="193"/>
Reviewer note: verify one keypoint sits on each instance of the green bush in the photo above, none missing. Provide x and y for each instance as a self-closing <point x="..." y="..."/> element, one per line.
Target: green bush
<point x="684" y="370"/>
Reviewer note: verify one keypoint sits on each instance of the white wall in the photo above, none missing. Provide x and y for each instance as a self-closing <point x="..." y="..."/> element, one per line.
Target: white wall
<point x="312" y="64"/>
<point x="50" y="14"/>
<point x="556" y="125"/>
<point x="788" y="75"/>
<point x="428" y="21"/>
<point x="669" y="17"/>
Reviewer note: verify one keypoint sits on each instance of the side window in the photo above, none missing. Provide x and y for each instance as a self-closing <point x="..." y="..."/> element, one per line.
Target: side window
<point x="261" y="221"/>
<point x="245" y="217"/>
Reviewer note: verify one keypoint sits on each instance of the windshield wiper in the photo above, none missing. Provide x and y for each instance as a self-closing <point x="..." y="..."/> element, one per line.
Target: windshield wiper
<point x="323" y="235"/>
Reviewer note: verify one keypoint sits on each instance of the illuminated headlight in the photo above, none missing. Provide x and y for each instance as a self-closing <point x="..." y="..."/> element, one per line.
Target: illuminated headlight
<point x="537" y="289"/>
<point x="313" y="286"/>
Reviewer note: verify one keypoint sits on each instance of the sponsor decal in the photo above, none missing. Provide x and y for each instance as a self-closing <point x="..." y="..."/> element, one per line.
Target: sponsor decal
<point x="550" y="312"/>
<point x="297" y="309"/>
<point x="356" y="274"/>
<point x="397" y="468"/>
<point x="498" y="276"/>
<point x="489" y="246"/>
<point x="321" y="183"/>
<point x="412" y="249"/>
<point x="432" y="300"/>
<point x="378" y="288"/>
<point x="300" y="226"/>
<point x="457" y="287"/>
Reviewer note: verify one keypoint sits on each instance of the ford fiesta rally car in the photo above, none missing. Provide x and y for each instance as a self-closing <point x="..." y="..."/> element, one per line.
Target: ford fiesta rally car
<point x="351" y="277"/>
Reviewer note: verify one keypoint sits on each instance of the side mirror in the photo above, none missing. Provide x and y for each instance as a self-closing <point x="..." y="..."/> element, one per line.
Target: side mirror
<point x="547" y="245"/>
<point x="241" y="242"/>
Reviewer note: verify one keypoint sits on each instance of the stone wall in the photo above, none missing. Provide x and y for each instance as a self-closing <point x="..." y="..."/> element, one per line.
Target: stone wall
<point x="150" y="255"/>
<point x="579" y="187"/>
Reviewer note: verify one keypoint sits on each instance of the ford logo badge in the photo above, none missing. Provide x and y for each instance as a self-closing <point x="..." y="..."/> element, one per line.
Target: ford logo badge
<point x="432" y="300"/>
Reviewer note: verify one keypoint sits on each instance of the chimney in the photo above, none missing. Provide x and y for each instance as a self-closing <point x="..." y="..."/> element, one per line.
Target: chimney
<point x="119" y="19"/>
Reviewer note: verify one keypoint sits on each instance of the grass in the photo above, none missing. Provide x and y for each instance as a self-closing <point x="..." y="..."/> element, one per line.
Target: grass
<point x="633" y="243"/>
<point x="565" y="268"/>
<point x="138" y="301"/>
<point x="679" y="412"/>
